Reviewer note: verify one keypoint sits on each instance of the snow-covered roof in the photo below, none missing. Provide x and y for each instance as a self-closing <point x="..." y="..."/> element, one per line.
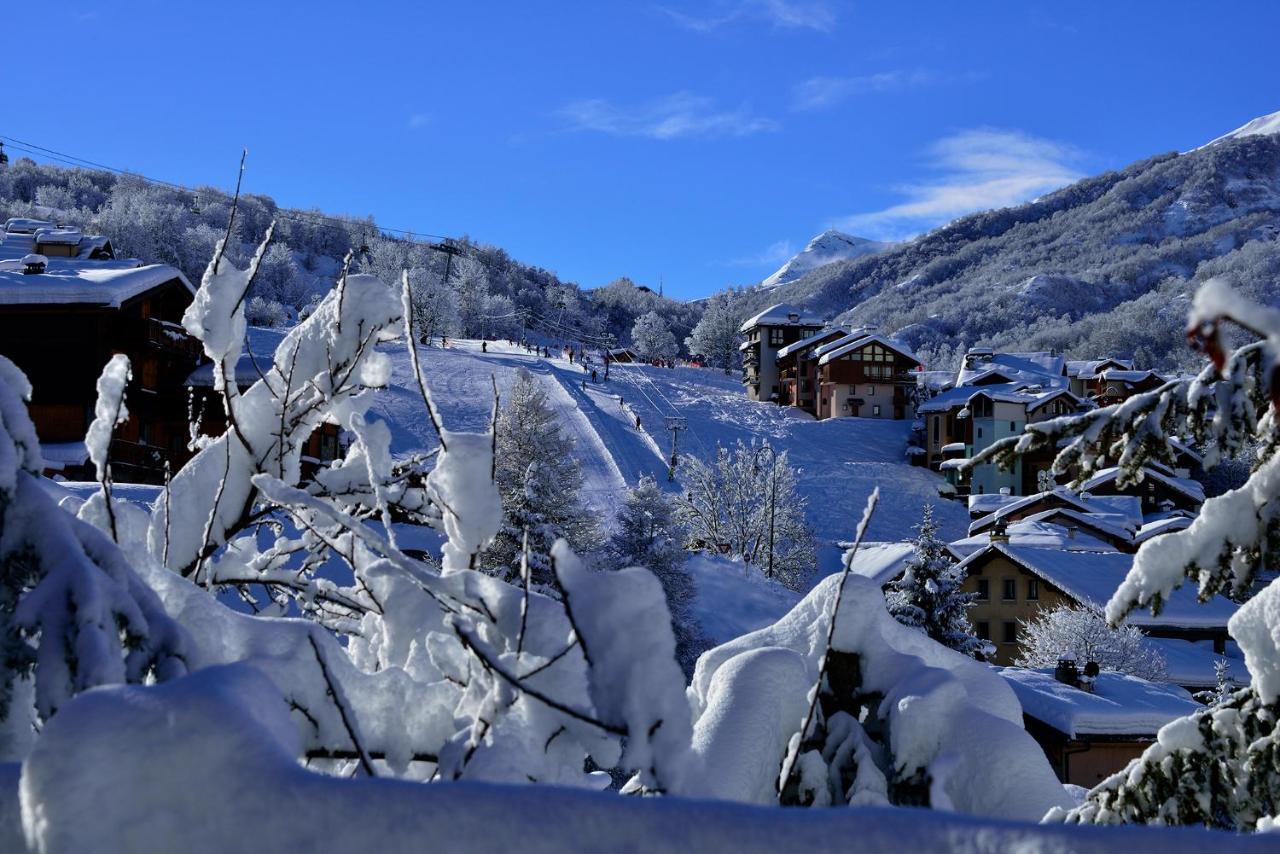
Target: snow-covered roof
<point x="1185" y="486"/>
<point x="59" y="236"/>
<point x="1192" y="663"/>
<point x="859" y="343"/>
<point x="958" y="397"/>
<point x="1116" y="510"/>
<point x="988" y="502"/>
<point x="781" y="315"/>
<point x="1167" y="525"/>
<point x="1046" y="369"/>
<point x="1092" y="577"/>
<point x="952" y="447"/>
<point x="24" y="225"/>
<point x="82" y="283"/>
<point x="58" y="455"/>
<point x="1116" y="375"/>
<point x="1119" y="704"/>
<point x="810" y="340"/>
<point x="1088" y="368"/>
<point x="881" y="562"/>
<point x="1040" y="533"/>
<point x="246" y="372"/>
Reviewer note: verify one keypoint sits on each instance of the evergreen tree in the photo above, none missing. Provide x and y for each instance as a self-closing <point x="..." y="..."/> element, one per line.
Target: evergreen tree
<point x="540" y="481"/>
<point x="649" y="535"/>
<point x="927" y="595"/>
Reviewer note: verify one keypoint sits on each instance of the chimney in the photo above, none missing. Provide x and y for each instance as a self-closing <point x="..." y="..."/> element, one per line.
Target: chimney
<point x="1067" y="673"/>
<point x="33" y="264"/>
<point x="999" y="531"/>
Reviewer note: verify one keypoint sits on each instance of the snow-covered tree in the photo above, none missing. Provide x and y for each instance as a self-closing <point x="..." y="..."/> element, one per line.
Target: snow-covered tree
<point x="647" y="534"/>
<point x="652" y="338"/>
<point x="471" y="282"/>
<point x="1082" y="633"/>
<point x="73" y="613"/>
<point x="435" y="305"/>
<point x="540" y="481"/>
<point x="746" y="503"/>
<point x="716" y="336"/>
<point x="927" y="595"/>
<point x="1220" y="766"/>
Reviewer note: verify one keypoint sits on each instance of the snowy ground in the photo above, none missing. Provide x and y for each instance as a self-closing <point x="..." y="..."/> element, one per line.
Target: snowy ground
<point x="842" y="460"/>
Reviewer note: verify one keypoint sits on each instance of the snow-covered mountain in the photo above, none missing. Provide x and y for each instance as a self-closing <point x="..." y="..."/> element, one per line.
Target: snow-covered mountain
<point x="1105" y="265"/>
<point x="1262" y="125"/>
<point x="826" y="248"/>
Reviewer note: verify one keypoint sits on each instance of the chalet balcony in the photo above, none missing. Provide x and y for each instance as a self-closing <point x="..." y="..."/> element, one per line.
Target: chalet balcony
<point x="171" y="337"/>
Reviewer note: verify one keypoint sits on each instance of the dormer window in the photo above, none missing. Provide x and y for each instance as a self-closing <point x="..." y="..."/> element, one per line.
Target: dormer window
<point x="793" y="317"/>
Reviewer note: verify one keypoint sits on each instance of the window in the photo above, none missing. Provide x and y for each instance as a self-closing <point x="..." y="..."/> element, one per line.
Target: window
<point x="1009" y="632"/>
<point x="875" y="411"/>
<point x="979" y="432"/>
<point x="1013" y="427"/>
<point x="776" y="337"/>
<point x="937" y="426"/>
<point x="1010" y="590"/>
<point x="871" y="390"/>
<point x="984" y="630"/>
<point x="1033" y="589"/>
<point x="984" y="590"/>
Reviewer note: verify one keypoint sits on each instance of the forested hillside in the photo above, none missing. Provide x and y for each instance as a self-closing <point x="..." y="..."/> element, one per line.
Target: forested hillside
<point x="488" y="294"/>
<point x="1104" y="266"/>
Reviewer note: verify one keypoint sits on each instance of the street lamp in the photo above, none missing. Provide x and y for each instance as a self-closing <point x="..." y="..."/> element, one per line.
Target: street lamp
<point x="773" y="493"/>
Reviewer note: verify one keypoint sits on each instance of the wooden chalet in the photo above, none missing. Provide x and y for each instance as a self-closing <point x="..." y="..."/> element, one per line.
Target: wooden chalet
<point x="61" y="320"/>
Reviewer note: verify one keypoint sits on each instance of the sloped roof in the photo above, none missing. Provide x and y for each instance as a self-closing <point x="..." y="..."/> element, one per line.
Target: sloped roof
<point x="811" y="340"/>
<point x="1088" y="368"/>
<point x="1189" y="488"/>
<point x="83" y="284"/>
<point x="1040" y="368"/>
<point x="1092" y="577"/>
<point x="780" y="315"/>
<point x="881" y="562"/>
<point x="1120" y="704"/>
<point x="859" y="343"/>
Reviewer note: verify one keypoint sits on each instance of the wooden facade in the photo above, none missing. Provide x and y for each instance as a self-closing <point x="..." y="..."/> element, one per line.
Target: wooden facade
<point x="63" y="348"/>
<point x="872" y="380"/>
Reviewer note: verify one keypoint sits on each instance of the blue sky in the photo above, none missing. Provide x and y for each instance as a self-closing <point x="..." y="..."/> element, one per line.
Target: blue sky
<point x="698" y="143"/>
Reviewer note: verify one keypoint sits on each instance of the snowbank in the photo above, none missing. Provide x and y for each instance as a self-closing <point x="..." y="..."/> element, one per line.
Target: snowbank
<point x="945" y="713"/>
<point x="199" y="765"/>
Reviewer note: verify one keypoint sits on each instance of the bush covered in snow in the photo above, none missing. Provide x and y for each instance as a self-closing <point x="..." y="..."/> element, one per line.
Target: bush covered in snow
<point x="1083" y="634"/>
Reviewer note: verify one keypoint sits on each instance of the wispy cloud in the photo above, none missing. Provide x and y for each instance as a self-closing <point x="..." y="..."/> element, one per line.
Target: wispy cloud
<point x="418" y="120"/>
<point x="773" y="254"/>
<point x="683" y="114"/>
<point x="817" y="93"/>
<point x="978" y="169"/>
<point x="783" y="14"/>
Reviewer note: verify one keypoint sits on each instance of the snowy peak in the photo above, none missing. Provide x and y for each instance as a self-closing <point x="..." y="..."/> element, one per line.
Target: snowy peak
<point x="1258" y="127"/>
<point x="827" y="247"/>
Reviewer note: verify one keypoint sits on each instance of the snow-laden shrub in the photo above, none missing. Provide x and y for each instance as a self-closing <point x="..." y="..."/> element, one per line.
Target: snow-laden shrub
<point x="901" y="719"/>
<point x="73" y="613"/>
<point x="1081" y="632"/>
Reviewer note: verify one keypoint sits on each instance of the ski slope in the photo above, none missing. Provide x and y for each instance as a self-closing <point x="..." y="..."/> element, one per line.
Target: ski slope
<point x="841" y="460"/>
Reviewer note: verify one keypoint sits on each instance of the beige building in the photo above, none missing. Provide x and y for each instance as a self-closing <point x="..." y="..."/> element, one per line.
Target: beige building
<point x="766" y="333"/>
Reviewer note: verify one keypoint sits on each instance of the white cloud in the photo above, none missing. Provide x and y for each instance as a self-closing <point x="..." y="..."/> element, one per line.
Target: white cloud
<point x="683" y="114"/>
<point x="774" y="254"/>
<point x="978" y="170"/>
<point x="819" y="92"/>
<point x="784" y="14"/>
<point x="418" y="120"/>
